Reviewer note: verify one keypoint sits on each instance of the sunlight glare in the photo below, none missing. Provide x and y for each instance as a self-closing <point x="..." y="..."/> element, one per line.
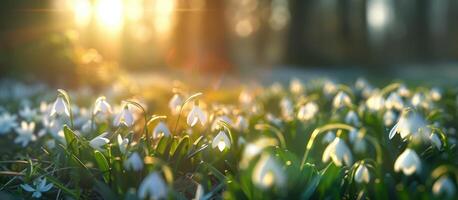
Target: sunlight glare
<point x="82" y="12"/>
<point x="163" y="13"/>
<point x="109" y="13"/>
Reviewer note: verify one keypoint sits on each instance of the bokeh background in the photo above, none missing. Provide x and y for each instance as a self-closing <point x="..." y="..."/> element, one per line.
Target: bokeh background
<point x="92" y="41"/>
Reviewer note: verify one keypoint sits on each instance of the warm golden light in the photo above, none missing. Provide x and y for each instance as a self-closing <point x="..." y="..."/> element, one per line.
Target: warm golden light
<point x="134" y="9"/>
<point x="82" y="12"/>
<point x="109" y="13"/>
<point x="163" y="14"/>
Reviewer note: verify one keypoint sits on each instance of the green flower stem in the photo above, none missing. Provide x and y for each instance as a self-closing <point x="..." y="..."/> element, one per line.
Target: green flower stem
<point x="315" y="134"/>
<point x="195" y="96"/>
<point x="277" y="132"/>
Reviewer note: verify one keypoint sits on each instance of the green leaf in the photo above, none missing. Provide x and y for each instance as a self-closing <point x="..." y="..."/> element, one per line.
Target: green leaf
<point x="102" y="163"/>
<point x="71" y="139"/>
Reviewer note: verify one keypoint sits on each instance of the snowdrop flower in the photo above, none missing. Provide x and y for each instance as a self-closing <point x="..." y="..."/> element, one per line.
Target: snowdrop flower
<point x="329" y="88"/>
<point x="419" y="100"/>
<point x="435" y="140"/>
<point x="161" y="129"/>
<point x="25" y="133"/>
<point x="134" y="162"/>
<point x="253" y="149"/>
<point x="394" y="101"/>
<point x="352" y="118"/>
<point x="99" y="141"/>
<point x="245" y="97"/>
<point x="296" y="87"/>
<point x="124" y="117"/>
<point x="60" y="107"/>
<point x="444" y="186"/>
<point x="339" y="152"/>
<point x="307" y="111"/>
<point x="195" y="115"/>
<point x="7" y="122"/>
<point x="40" y="186"/>
<point x="410" y="123"/>
<point x="221" y="141"/>
<point x="403" y="91"/>
<point x="86" y="128"/>
<point x="175" y="104"/>
<point x="341" y="99"/>
<point x="102" y="106"/>
<point x="389" y="117"/>
<point x="224" y="118"/>
<point x="122" y="143"/>
<point x="329" y="137"/>
<point x="241" y="124"/>
<point x="362" y="174"/>
<point x="274" y="120"/>
<point x="375" y="102"/>
<point x="287" y="109"/>
<point x="199" y="192"/>
<point x="268" y="173"/>
<point x="408" y="162"/>
<point x="153" y="187"/>
<point x="361" y="83"/>
<point x="435" y="94"/>
<point x="27" y="113"/>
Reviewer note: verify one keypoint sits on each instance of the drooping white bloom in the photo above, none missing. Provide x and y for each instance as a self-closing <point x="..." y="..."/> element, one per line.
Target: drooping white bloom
<point x="362" y="174"/>
<point x="124" y="117"/>
<point x="40" y="186"/>
<point x="273" y="119"/>
<point x="339" y="152"/>
<point x="99" y="141"/>
<point x="134" y="162"/>
<point x="253" y="149"/>
<point x="394" y="101"/>
<point x="27" y="113"/>
<point x="268" y="173"/>
<point x="408" y="162"/>
<point x="199" y="192"/>
<point x="375" y="102"/>
<point x="389" y="118"/>
<point x="7" y="122"/>
<point x="122" y="143"/>
<point x="329" y="137"/>
<point x="223" y="118"/>
<point x="410" y="123"/>
<point x="86" y="127"/>
<point x="241" y="124"/>
<point x="25" y="133"/>
<point x="329" y="88"/>
<point x="435" y="140"/>
<point x="341" y="99"/>
<point x="60" y="107"/>
<point x="221" y="141"/>
<point x="361" y="83"/>
<point x="435" y="94"/>
<point x="101" y="106"/>
<point x="352" y="118"/>
<point x="245" y="97"/>
<point x="307" y="111"/>
<point x="153" y="187"/>
<point x="195" y="115"/>
<point x="444" y="186"/>
<point x="287" y="109"/>
<point x="175" y="104"/>
<point x="161" y="129"/>
<point x="403" y="91"/>
<point x="296" y="86"/>
<point x="419" y="100"/>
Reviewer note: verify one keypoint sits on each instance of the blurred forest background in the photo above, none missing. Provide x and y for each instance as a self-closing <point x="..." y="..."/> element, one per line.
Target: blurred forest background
<point x="58" y="40"/>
